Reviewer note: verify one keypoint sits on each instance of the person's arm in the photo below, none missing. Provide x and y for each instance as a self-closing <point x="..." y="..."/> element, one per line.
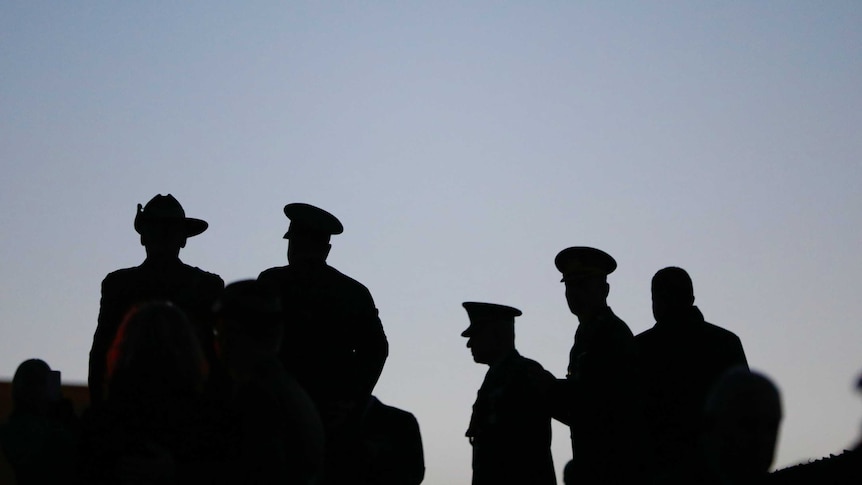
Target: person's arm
<point x="372" y="349"/>
<point x="111" y="308"/>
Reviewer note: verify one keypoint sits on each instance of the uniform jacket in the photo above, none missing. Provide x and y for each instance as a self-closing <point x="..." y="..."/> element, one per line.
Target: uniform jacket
<point x="333" y="343"/>
<point x="680" y="361"/>
<point x="599" y="400"/>
<point x="510" y="428"/>
<point x="190" y="288"/>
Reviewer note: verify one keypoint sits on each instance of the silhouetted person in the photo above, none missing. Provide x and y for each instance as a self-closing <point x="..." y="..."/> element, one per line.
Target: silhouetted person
<point x="280" y="434"/>
<point x="382" y="447"/>
<point x="164" y="229"/>
<point x="40" y="438"/>
<point x="510" y="428"/>
<point x="569" y="474"/>
<point x="392" y="446"/>
<point x="599" y="399"/>
<point x="743" y="413"/>
<point x="333" y="342"/>
<point x="153" y="423"/>
<point x="681" y="359"/>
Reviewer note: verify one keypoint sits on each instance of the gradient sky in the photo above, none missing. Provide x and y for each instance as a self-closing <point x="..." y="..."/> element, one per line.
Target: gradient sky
<point x="462" y="144"/>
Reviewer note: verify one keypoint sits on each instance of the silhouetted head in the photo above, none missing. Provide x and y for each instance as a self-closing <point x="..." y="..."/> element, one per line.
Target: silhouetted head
<point x="672" y="293"/>
<point x="570" y="476"/>
<point x="743" y="413"/>
<point x="585" y="273"/>
<point x="859" y="388"/>
<point x="155" y="352"/>
<point x="491" y="334"/>
<point x="248" y="320"/>
<point x="164" y="227"/>
<point x="31" y="387"/>
<point x="309" y="232"/>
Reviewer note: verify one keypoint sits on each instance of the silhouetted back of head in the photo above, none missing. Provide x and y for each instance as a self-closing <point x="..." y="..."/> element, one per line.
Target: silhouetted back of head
<point x="743" y="413"/>
<point x="309" y="232"/>
<point x="30" y="386"/>
<point x="250" y="309"/>
<point x="672" y="292"/>
<point x="155" y="352"/>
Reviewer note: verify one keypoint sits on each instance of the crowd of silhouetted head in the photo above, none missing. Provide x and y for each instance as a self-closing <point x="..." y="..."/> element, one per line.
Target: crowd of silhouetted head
<point x="271" y="380"/>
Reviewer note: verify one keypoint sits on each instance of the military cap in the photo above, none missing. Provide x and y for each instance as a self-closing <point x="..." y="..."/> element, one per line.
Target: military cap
<point x="480" y="313"/>
<point x="307" y="219"/>
<point x="166" y="210"/>
<point x="581" y="261"/>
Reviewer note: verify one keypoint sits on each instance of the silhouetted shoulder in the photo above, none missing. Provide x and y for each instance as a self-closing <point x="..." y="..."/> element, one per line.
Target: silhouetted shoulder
<point x="346" y="281"/>
<point x="203" y="273"/>
<point x="135" y="274"/>
<point x="702" y="329"/>
<point x="616" y="327"/>
<point x="324" y="277"/>
<point x="400" y="416"/>
<point x="274" y="273"/>
<point x="390" y="417"/>
<point x="608" y="333"/>
<point x="649" y="338"/>
<point x="715" y="332"/>
<point x="530" y="363"/>
<point x="120" y="276"/>
<point x="209" y="284"/>
<point x="324" y="271"/>
<point x="531" y="368"/>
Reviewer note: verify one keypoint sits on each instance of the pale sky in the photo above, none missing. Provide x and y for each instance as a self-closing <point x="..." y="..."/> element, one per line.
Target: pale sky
<point x="462" y="145"/>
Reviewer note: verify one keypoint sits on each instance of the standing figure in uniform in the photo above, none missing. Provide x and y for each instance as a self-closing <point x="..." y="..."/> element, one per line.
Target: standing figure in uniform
<point x="164" y="229"/>
<point x="682" y="358"/>
<point x="598" y="400"/>
<point x="333" y="341"/>
<point x="510" y="429"/>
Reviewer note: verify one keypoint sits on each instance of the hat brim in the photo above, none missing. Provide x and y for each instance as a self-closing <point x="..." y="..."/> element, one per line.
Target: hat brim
<point x="195" y="226"/>
<point x="307" y="217"/>
<point x="585" y="261"/>
<point x="191" y="226"/>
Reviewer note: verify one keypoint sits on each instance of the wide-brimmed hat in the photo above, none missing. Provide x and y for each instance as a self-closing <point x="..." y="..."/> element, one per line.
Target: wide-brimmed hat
<point x="166" y="210"/>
